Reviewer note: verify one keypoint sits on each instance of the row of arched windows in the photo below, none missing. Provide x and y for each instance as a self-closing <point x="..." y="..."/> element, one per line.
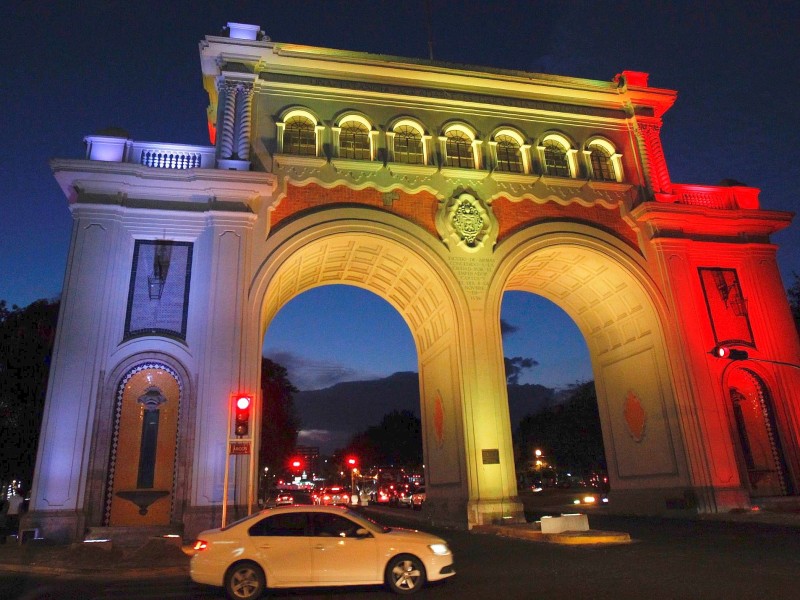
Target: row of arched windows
<point x="300" y="133"/>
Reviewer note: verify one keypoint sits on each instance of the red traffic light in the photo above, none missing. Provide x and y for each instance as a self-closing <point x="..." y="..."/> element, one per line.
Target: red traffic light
<point x="729" y="353"/>
<point x="296" y="464"/>
<point x="242" y="404"/>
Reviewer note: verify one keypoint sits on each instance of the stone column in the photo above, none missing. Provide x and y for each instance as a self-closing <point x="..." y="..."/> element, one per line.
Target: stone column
<point x="244" y="95"/>
<point x="227" y="132"/>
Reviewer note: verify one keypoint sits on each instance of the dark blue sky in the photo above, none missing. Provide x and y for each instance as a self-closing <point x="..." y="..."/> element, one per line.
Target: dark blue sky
<point x="72" y="70"/>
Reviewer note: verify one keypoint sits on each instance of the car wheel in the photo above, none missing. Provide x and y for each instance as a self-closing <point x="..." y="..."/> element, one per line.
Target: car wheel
<point x="245" y="581"/>
<point x="405" y="574"/>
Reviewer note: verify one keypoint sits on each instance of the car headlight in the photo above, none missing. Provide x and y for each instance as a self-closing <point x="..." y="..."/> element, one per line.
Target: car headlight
<point x="439" y="549"/>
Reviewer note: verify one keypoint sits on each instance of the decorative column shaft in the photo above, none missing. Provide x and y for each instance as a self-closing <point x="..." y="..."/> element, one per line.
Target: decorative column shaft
<point x="228" y="121"/>
<point x="244" y="95"/>
<point x="649" y="133"/>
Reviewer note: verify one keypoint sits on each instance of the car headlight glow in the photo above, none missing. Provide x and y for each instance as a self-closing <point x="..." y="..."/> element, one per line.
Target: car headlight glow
<point x="439" y="549"/>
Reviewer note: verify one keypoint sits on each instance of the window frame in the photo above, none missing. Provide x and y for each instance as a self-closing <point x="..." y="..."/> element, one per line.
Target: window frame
<point x="614" y="159"/>
<point x="371" y="137"/>
<point x="523" y="151"/>
<point x="569" y="155"/>
<point x="471" y="159"/>
<point x="281" y="131"/>
<point x="391" y="137"/>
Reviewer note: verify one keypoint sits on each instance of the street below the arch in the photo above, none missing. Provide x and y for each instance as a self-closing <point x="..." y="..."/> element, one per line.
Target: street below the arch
<point x="668" y="558"/>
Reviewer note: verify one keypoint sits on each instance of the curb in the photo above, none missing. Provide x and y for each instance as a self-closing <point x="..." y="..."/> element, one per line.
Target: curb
<point x="118" y="573"/>
<point x="567" y="538"/>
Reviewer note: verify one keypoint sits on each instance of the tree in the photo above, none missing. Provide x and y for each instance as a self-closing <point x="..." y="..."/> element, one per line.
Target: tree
<point x="26" y="345"/>
<point x="569" y="433"/>
<point x="515" y="366"/>
<point x="794" y="300"/>
<point x="397" y="441"/>
<point x="279" y="421"/>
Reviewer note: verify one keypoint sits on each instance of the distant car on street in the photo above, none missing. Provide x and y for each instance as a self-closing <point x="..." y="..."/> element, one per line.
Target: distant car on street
<point x="418" y="498"/>
<point x="313" y="546"/>
<point x="289" y="497"/>
<point x="333" y="496"/>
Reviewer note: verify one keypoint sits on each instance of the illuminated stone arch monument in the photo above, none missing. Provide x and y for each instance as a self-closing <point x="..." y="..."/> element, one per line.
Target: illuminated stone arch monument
<point x="438" y="189"/>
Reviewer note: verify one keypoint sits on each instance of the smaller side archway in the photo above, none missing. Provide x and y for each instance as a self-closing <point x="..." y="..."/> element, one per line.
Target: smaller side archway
<point x="757" y="431"/>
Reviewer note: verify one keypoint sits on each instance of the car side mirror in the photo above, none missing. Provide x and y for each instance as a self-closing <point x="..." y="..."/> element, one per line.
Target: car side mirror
<point x="361" y="532"/>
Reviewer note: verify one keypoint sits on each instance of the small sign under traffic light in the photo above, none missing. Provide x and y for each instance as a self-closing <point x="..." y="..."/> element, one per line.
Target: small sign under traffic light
<point x="238" y="448"/>
<point x="241" y="409"/>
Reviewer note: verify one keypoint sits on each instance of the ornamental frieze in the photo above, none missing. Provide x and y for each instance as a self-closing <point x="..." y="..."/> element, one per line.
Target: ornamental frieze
<point x="440" y="94"/>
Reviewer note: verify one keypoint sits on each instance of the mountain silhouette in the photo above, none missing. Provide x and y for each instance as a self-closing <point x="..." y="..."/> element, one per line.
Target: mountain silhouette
<point x="356" y="405"/>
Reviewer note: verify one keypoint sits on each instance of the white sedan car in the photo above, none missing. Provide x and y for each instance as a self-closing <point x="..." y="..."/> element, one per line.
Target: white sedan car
<point x="299" y="546"/>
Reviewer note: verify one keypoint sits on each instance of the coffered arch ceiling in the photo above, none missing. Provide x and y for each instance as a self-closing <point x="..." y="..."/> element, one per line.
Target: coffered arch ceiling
<point x="377" y="264"/>
<point x="606" y="301"/>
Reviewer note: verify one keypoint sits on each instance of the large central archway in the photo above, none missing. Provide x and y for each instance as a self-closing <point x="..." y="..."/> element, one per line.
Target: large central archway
<point x="386" y="256"/>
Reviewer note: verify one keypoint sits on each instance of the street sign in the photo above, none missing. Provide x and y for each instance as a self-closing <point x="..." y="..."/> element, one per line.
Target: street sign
<point x="239" y="448"/>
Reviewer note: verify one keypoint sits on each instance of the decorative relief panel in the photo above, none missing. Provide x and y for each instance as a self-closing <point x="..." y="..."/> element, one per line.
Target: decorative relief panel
<point x="464" y="221"/>
<point x="635" y="416"/>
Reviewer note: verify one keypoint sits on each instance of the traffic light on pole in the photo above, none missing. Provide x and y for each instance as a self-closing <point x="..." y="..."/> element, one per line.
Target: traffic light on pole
<point x="352" y="462"/>
<point x="241" y="409"/>
<point x="729" y="353"/>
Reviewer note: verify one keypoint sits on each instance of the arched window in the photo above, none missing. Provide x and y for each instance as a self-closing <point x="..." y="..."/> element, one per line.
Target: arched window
<point x="458" y="149"/>
<point x="555" y="159"/>
<point x="354" y="140"/>
<point x="299" y="136"/>
<point x="602" y="168"/>
<point x="509" y="154"/>
<point x="408" y="146"/>
<point x="605" y="162"/>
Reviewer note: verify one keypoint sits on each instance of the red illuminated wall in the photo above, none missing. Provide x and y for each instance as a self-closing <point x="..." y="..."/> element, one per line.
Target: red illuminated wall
<point x="513" y="216"/>
<point x="418" y="208"/>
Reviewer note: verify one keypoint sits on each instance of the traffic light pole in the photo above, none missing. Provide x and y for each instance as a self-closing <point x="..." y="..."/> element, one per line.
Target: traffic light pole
<point x="227" y="467"/>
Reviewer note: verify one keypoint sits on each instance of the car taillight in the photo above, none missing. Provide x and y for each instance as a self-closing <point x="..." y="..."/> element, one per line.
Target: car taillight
<point x="200" y="545"/>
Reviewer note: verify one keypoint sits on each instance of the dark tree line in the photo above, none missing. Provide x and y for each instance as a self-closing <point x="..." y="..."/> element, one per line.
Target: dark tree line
<point x="396" y="441"/>
<point x="279" y="422"/>
<point x="568" y="433"/>
<point x="794" y="300"/>
<point x="26" y="345"/>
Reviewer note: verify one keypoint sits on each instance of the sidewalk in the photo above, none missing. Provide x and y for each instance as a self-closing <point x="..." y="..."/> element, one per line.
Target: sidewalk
<point x="81" y="560"/>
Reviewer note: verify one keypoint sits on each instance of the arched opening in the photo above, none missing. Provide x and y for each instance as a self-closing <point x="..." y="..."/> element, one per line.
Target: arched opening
<point x="598" y="283"/>
<point x="757" y="436"/>
<point x="558" y="446"/>
<point x="354" y="363"/>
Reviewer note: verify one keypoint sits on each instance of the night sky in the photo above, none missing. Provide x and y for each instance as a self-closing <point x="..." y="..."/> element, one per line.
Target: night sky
<point x="73" y="70"/>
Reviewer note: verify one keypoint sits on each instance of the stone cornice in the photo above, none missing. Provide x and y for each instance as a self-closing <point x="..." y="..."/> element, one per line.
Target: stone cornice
<point x="653" y="220"/>
<point x="137" y="183"/>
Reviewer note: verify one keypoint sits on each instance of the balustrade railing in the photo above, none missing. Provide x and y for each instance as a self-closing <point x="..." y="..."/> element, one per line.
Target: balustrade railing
<point x="157" y="155"/>
<point x="723" y="197"/>
<point x="171" y="156"/>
